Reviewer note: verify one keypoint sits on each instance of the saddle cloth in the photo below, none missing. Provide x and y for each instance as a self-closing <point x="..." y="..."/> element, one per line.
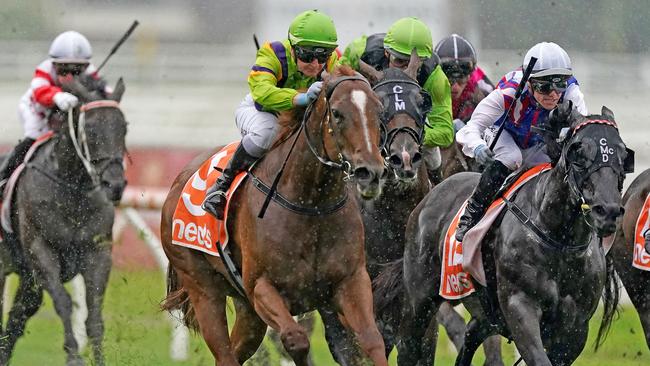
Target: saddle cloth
<point x="641" y="259"/>
<point x="462" y="259"/>
<point x="192" y="226"/>
<point x="5" y="205"/>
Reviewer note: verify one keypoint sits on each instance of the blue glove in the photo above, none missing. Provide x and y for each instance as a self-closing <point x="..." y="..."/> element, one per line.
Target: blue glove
<point x="304" y="99"/>
<point x="483" y="155"/>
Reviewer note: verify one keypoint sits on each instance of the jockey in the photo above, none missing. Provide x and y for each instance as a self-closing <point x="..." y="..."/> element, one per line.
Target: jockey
<point x="393" y="49"/>
<point x="70" y="54"/>
<point x="280" y="68"/>
<point x="551" y="82"/>
<point x="469" y="84"/>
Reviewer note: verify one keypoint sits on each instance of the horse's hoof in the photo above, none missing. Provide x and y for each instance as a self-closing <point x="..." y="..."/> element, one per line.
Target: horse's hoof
<point x="75" y="361"/>
<point x="295" y="341"/>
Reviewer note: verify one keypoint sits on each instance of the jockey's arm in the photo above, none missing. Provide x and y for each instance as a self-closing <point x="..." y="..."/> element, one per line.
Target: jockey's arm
<point x="574" y="94"/>
<point x="488" y="111"/>
<point x="441" y="131"/>
<point x="263" y="79"/>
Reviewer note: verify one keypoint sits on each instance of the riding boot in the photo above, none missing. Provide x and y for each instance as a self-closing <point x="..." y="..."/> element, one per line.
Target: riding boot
<point x="488" y="186"/>
<point x="215" y="198"/>
<point x="13" y="160"/>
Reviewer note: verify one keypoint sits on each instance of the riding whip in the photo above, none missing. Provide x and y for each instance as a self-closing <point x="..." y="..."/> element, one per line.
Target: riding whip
<point x="119" y="43"/>
<point x="520" y="89"/>
<point x="257" y="43"/>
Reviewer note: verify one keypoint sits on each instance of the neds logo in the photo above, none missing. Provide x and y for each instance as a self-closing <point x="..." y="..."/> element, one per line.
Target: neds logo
<point x="192" y="233"/>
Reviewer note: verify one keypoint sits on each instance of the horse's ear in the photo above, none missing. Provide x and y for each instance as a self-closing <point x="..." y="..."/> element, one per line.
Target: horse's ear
<point x="118" y="91"/>
<point x="414" y="65"/>
<point x="606" y="112"/>
<point x="370" y="73"/>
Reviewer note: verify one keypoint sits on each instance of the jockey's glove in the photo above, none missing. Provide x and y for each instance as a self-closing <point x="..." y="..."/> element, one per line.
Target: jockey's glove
<point x="483" y="154"/>
<point x="458" y="124"/>
<point x="65" y="101"/>
<point x="303" y="99"/>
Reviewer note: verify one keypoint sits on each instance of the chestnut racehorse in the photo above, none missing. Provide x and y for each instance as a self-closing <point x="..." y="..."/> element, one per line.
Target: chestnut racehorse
<point x="307" y="252"/>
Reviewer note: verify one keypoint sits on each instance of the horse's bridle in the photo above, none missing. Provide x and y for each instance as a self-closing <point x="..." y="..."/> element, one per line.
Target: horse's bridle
<point x="344" y="164"/>
<point x="387" y="117"/>
<point x="80" y="142"/>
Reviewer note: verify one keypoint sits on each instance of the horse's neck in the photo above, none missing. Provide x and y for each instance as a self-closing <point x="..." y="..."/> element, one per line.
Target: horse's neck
<point x="559" y="212"/>
<point x="306" y="179"/>
<point x="68" y="165"/>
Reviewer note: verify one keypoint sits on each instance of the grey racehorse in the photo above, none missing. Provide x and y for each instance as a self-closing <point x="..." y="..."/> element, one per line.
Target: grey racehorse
<point x="544" y="261"/>
<point x="62" y="215"/>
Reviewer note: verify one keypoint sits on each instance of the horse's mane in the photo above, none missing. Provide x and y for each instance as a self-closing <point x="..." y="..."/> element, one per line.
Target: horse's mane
<point x="289" y="120"/>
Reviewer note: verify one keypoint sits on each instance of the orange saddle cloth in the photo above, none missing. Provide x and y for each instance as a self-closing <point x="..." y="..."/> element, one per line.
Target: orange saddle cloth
<point x="192" y="226"/>
<point x="641" y="258"/>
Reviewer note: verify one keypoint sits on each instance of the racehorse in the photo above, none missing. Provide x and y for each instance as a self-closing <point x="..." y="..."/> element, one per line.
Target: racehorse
<point x="405" y="107"/>
<point x="307" y="252"/>
<point x="62" y="214"/>
<point x="636" y="281"/>
<point x="544" y="261"/>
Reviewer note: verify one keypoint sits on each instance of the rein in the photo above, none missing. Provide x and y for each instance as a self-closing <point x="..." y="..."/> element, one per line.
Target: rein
<point x="344" y="165"/>
<point x="81" y="145"/>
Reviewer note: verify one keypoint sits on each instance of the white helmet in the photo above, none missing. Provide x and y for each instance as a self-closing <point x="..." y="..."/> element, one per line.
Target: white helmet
<point x="551" y="60"/>
<point x="71" y="47"/>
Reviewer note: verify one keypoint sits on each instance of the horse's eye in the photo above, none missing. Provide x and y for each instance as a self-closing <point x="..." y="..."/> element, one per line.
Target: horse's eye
<point x="338" y="116"/>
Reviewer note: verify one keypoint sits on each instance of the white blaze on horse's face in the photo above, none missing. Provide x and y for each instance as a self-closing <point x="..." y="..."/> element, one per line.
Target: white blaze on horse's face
<point x="359" y="99"/>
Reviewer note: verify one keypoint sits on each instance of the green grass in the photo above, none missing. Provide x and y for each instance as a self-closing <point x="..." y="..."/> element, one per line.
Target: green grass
<point x="137" y="333"/>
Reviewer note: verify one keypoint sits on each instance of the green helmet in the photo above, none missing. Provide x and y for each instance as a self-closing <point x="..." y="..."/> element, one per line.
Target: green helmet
<point x="408" y="33"/>
<point x="313" y="28"/>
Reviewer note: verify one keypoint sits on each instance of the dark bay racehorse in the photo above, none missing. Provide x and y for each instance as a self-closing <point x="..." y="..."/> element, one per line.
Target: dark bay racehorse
<point x="544" y="277"/>
<point x="62" y="214"/>
<point x="299" y="259"/>
<point x="636" y="281"/>
<point x="405" y="107"/>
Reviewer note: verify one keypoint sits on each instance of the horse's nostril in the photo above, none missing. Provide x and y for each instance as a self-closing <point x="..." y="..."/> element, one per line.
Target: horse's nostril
<point x="395" y="160"/>
<point x="362" y="173"/>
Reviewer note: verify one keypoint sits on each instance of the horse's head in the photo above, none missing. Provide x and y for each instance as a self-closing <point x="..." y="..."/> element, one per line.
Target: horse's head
<point x="351" y="128"/>
<point x="596" y="160"/>
<point x="98" y="136"/>
<point x="404" y="116"/>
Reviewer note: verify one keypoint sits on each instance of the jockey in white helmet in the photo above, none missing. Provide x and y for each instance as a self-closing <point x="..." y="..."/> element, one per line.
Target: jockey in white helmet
<point x="551" y="82"/>
<point x="69" y="54"/>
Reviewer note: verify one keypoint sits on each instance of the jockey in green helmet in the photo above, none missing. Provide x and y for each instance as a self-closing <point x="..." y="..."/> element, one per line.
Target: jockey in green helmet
<point x="280" y="70"/>
<point x="393" y="49"/>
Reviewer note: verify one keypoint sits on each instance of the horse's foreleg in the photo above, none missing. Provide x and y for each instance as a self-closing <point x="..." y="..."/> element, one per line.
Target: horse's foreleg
<point x="353" y="297"/>
<point x="96" y="273"/>
<point x="271" y="307"/>
<point x="48" y="268"/>
<point x="341" y="343"/>
<point x="568" y="343"/>
<point x="522" y="315"/>
<point x="26" y="303"/>
<point x="492" y="349"/>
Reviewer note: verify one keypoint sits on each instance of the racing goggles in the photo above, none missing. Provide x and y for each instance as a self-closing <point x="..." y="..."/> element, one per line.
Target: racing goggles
<point x="549" y="84"/>
<point x="457" y="71"/>
<point x="69" y="68"/>
<point x="308" y="54"/>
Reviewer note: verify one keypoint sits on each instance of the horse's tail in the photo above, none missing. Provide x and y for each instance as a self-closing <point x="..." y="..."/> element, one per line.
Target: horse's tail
<point x="611" y="297"/>
<point x="178" y="299"/>
<point x="388" y="287"/>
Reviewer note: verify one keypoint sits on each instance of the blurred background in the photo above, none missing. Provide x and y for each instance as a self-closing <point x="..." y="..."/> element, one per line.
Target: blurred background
<point x="185" y="69"/>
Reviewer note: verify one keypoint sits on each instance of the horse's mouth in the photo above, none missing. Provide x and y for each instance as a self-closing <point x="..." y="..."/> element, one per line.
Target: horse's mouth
<point x="369" y="192"/>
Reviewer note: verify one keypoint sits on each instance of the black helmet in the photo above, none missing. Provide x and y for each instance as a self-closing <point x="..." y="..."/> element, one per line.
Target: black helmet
<point x="457" y="56"/>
